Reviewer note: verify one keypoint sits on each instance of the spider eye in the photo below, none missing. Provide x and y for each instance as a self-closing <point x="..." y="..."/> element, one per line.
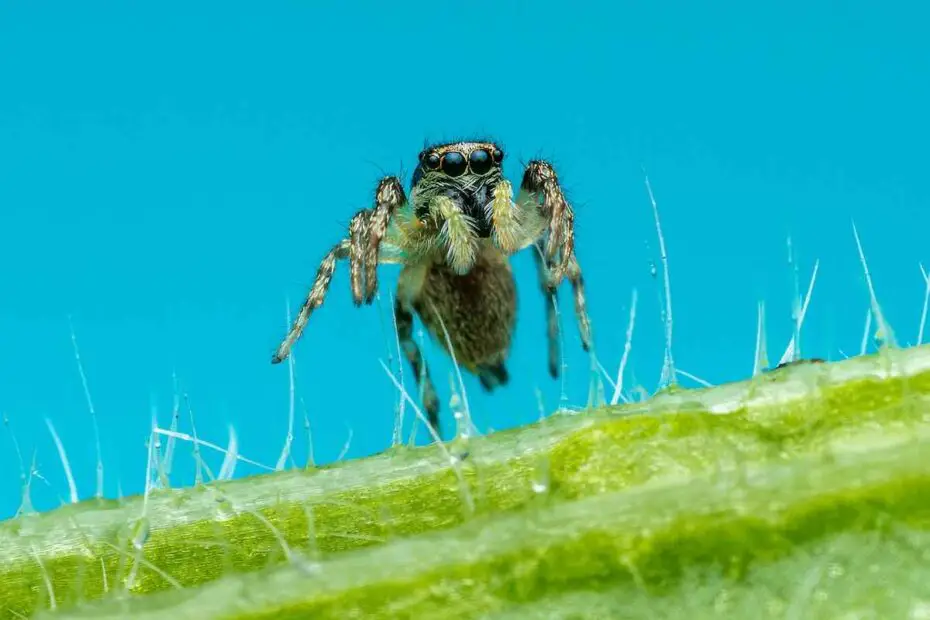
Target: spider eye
<point x="480" y="161"/>
<point x="454" y="164"/>
<point x="497" y="155"/>
<point x="430" y="160"/>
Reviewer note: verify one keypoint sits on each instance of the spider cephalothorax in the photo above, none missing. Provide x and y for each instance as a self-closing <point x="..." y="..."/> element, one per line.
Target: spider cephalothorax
<point x="454" y="238"/>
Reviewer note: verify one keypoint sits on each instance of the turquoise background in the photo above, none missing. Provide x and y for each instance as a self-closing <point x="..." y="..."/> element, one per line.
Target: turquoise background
<point x="172" y="172"/>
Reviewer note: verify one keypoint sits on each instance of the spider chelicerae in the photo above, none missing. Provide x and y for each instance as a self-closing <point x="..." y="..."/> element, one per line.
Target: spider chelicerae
<point x="454" y="237"/>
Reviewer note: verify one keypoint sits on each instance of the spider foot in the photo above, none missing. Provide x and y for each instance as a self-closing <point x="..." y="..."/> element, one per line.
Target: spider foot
<point x="493" y="376"/>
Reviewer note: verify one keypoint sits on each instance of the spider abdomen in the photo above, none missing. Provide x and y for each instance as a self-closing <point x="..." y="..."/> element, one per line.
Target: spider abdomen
<point x="478" y="309"/>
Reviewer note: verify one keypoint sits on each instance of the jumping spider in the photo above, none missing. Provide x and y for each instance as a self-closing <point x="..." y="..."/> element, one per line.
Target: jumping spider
<point x="454" y="238"/>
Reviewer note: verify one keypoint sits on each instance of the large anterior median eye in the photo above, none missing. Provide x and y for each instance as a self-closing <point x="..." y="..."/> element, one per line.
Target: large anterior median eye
<point x="454" y="164"/>
<point x="480" y="161"/>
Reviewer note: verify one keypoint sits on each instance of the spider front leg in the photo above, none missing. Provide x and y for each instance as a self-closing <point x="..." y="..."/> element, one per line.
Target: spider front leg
<point x="540" y="192"/>
<point x="366" y="231"/>
<point x="388" y="198"/>
<point x="541" y="188"/>
<point x="324" y="275"/>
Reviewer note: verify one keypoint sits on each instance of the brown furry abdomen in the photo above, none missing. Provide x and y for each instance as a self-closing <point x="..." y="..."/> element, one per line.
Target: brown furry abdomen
<point x="478" y="309"/>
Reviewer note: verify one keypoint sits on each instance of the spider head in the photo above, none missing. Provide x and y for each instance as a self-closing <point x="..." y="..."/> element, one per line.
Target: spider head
<point x="465" y="172"/>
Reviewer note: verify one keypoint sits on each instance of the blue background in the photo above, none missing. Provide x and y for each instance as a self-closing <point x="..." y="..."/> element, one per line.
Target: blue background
<point x="172" y="172"/>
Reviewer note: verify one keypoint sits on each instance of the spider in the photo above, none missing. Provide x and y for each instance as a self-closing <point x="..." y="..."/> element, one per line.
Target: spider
<point x="454" y="238"/>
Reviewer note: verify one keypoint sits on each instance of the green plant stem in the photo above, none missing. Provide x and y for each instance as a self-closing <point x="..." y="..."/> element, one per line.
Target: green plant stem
<point x="607" y="470"/>
<point x="641" y="541"/>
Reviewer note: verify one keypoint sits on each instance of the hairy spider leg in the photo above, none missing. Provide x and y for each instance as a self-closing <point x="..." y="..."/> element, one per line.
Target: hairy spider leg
<point x="541" y="182"/>
<point x="576" y="279"/>
<point x="388" y="198"/>
<point x="324" y="275"/>
<point x="540" y="190"/>
<point x="358" y="227"/>
<point x="550" y="295"/>
<point x="417" y="363"/>
<point x="367" y="229"/>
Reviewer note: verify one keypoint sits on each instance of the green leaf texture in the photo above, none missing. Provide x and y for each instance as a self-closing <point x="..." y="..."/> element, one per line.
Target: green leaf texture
<point x="800" y="493"/>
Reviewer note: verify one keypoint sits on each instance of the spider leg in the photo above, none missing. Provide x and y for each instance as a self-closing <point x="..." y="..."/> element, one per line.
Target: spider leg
<point x="367" y="229"/>
<point x="551" y="297"/>
<point x="415" y="358"/>
<point x="540" y="189"/>
<point x="388" y="198"/>
<point x="542" y="185"/>
<point x="581" y="304"/>
<point x="358" y="229"/>
<point x="324" y="276"/>
<point x="492" y="376"/>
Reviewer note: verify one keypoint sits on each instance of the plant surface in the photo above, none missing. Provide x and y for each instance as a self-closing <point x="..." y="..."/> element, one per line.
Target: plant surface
<point x="798" y="493"/>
